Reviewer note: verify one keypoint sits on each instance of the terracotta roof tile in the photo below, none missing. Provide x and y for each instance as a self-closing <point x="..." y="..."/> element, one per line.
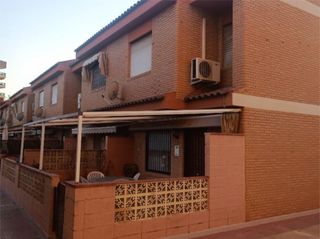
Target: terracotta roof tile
<point x="208" y="94"/>
<point x="130" y="103"/>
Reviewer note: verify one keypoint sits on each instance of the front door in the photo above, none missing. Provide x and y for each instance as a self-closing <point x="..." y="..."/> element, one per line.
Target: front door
<point x="194" y="152"/>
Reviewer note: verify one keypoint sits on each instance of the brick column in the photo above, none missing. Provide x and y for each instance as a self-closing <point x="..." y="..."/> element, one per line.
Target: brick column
<point x="226" y="170"/>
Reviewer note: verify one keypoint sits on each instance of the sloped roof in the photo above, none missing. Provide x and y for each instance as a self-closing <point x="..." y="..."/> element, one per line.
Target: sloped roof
<point x="113" y="22"/>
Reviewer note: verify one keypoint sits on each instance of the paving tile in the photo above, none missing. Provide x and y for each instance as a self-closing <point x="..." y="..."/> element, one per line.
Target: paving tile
<point x="305" y="227"/>
<point x="14" y="223"/>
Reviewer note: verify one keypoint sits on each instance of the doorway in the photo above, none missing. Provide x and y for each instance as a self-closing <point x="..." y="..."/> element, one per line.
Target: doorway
<point x="194" y="154"/>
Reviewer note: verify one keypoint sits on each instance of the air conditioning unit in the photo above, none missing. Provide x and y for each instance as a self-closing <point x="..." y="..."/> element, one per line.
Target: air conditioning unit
<point x="204" y="71"/>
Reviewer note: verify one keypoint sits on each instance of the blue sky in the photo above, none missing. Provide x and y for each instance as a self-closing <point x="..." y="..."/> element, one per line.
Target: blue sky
<point x="36" y="34"/>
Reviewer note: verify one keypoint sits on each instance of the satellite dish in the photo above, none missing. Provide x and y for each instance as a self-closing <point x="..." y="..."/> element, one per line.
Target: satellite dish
<point x="39" y="112"/>
<point x="113" y="90"/>
<point x="20" y="116"/>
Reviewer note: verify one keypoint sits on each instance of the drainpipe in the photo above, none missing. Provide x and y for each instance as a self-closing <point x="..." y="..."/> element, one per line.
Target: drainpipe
<point x="203" y="38"/>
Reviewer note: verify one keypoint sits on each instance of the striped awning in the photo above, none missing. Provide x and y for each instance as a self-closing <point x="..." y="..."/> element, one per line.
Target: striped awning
<point x="90" y="60"/>
<point x="96" y="130"/>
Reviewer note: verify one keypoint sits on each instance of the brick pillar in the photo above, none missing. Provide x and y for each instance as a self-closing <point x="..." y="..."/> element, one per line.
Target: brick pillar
<point x="226" y="170"/>
<point x="89" y="212"/>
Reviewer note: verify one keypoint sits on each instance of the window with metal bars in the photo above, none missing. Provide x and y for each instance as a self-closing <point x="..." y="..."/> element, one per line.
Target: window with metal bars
<point x="158" y="152"/>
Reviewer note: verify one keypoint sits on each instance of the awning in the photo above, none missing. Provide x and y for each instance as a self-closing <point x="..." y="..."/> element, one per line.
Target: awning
<point x="91" y="60"/>
<point x="119" y="117"/>
<point x="96" y="130"/>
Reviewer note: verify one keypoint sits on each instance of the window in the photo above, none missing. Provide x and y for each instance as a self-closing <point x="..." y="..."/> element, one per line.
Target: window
<point x="54" y="94"/>
<point x="227" y="46"/>
<point x="98" y="80"/>
<point x="159" y="152"/>
<point x="141" y="56"/>
<point x="22" y="107"/>
<point x="41" y="98"/>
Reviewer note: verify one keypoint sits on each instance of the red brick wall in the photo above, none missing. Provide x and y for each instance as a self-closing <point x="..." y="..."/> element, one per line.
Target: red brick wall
<point x="276" y="56"/>
<point x="225" y="166"/>
<point x="159" y="81"/>
<point x="56" y="109"/>
<point x="282" y="163"/>
<point x="279" y="47"/>
<point x="189" y="30"/>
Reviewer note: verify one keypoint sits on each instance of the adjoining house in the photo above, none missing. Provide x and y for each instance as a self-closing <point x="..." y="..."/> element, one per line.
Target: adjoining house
<point x="14" y="113"/>
<point x="214" y="103"/>
<point x="6" y="119"/>
<point x="55" y="93"/>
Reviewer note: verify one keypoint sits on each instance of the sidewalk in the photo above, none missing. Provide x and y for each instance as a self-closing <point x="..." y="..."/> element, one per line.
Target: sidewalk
<point x="305" y="227"/>
<point x="14" y="223"/>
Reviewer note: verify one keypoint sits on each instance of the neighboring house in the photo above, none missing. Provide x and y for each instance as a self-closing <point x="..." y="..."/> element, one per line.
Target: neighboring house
<point x="21" y="106"/>
<point x="149" y="51"/>
<point x="4" y="109"/>
<point x="55" y="91"/>
<point x="201" y="171"/>
<point x="5" y="122"/>
<point x="55" y="94"/>
<point x="20" y="112"/>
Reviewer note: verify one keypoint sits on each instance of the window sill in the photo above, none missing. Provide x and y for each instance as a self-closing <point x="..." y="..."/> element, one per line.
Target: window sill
<point x="140" y="75"/>
<point x="102" y="88"/>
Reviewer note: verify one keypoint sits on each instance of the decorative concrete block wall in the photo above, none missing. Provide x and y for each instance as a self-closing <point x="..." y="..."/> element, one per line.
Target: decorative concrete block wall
<point x="31" y="189"/>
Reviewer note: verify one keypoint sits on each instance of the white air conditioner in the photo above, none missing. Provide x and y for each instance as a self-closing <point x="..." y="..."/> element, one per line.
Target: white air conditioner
<point x="204" y="71"/>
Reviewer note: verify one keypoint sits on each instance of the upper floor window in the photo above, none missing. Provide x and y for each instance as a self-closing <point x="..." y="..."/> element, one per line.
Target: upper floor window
<point x="41" y="98"/>
<point x="159" y="152"/>
<point x="227" y="46"/>
<point x="22" y="107"/>
<point x="98" y="80"/>
<point x="54" y="94"/>
<point x="141" y="55"/>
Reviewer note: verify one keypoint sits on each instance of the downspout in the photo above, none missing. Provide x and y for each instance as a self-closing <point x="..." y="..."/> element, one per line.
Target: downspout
<point x="203" y="38"/>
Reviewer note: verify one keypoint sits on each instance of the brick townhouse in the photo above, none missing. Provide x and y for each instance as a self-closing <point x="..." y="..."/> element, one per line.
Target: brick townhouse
<point x="55" y="93"/>
<point x="15" y="112"/>
<point x="267" y="52"/>
<point x="257" y="59"/>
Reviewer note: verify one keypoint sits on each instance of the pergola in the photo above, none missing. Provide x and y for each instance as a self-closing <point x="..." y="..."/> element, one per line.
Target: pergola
<point x="108" y="117"/>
